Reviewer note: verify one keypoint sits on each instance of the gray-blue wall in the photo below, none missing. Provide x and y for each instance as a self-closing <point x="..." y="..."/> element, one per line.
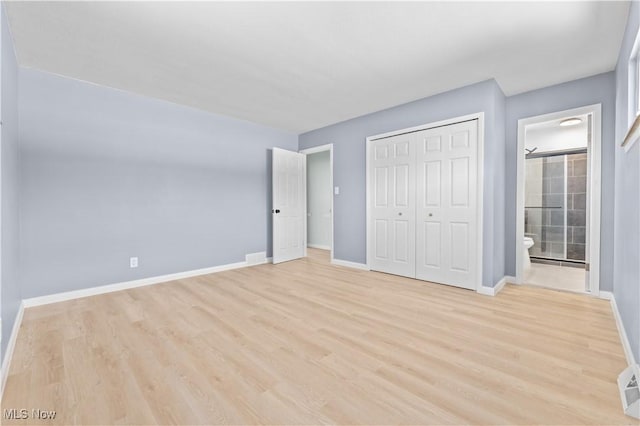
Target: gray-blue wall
<point x="499" y="179"/>
<point x="626" y="275"/>
<point x="349" y="137"/>
<point x="106" y="175"/>
<point x="599" y="89"/>
<point x="9" y="264"/>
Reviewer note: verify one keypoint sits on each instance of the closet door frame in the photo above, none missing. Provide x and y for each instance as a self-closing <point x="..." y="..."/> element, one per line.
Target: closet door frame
<point x="480" y="183"/>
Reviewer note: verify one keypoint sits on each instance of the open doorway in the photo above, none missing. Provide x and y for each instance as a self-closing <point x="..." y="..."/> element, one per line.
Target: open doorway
<point x="319" y="183"/>
<point x="557" y="238"/>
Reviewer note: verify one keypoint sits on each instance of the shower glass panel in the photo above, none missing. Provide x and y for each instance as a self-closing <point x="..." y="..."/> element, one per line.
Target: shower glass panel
<point x="555" y="205"/>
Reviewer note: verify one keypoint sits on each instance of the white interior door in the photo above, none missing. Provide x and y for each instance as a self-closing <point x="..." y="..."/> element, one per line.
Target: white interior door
<point x="446" y="236"/>
<point x="289" y="205"/>
<point x="393" y="209"/>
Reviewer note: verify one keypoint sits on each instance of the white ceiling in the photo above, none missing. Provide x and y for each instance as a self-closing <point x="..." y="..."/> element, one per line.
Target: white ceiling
<point x="299" y="66"/>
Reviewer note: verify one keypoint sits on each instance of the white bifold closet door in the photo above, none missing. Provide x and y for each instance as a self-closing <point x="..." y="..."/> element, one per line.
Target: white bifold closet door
<point x="446" y="233"/>
<point x="289" y="209"/>
<point x="393" y="209"/>
<point x="423" y="204"/>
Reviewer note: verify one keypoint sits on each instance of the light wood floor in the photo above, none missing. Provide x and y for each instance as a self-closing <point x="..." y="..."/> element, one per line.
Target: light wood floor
<point x="308" y="343"/>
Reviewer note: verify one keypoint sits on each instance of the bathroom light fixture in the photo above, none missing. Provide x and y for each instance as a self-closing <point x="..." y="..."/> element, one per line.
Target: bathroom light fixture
<point x="570" y="121"/>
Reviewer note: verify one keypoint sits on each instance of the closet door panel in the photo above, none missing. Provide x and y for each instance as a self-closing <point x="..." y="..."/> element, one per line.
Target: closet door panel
<point x="392" y="205"/>
<point x="446" y="200"/>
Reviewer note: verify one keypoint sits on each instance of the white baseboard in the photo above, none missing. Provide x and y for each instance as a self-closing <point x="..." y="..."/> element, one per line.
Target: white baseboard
<point x="349" y="264"/>
<point x="487" y="291"/>
<point x="499" y="285"/>
<point x="492" y="291"/>
<point x="606" y="295"/>
<point x="93" y="291"/>
<point x="319" y="246"/>
<point x="628" y="353"/>
<point x="11" y="345"/>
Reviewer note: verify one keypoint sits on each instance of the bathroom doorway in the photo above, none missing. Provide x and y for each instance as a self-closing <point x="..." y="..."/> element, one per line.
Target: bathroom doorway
<point x="559" y="200"/>
<point x="319" y="220"/>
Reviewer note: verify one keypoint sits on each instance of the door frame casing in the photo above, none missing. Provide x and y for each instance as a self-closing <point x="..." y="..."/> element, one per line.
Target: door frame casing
<point x="307" y="152"/>
<point x="479" y="184"/>
<point x="594" y="150"/>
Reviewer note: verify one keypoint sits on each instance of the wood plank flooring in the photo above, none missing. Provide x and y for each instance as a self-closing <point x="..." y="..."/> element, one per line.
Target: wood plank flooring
<point x="308" y="343"/>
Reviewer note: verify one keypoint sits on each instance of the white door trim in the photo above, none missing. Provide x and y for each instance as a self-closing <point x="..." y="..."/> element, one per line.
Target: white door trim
<point x="479" y="216"/>
<point x="595" y="172"/>
<point x="315" y="150"/>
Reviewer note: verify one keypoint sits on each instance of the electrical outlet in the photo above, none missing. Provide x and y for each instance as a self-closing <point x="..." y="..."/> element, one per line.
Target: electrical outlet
<point x="133" y="262"/>
<point x="336" y="190"/>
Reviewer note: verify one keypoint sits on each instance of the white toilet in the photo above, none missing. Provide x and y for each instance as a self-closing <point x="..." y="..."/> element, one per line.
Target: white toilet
<point x="528" y="243"/>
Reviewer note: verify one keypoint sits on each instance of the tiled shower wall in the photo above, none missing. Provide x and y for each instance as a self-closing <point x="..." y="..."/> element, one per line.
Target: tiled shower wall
<point x="576" y="206"/>
<point x="546" y="202"/>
